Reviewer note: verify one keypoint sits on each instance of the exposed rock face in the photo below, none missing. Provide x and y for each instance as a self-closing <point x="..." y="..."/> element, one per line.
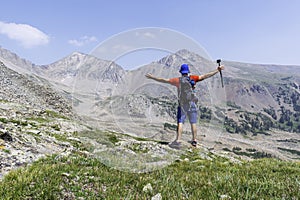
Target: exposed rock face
<point x="31" y="91"/>
<point x="35" y="120"/>
<point x="28" y="133"/>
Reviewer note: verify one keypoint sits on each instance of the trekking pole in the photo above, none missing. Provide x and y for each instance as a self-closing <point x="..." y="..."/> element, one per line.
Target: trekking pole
<point x="219" y="63"/>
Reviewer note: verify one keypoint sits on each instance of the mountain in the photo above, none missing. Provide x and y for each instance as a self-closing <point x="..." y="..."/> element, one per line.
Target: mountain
<point x="255" y="114"/>
<point x="14" y="62"/>
<point x="269" y="89"/>
<point x="84" y="77"/>
<point x="81" y="66"/>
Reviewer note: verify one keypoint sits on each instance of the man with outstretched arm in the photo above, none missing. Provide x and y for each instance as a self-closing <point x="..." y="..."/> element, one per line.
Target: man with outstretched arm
<point x="186" y="108"/>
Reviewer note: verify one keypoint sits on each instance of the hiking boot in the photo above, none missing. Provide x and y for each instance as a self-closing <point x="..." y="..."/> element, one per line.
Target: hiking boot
<point x="194" y="143"/>
<point x="175" y="145"/>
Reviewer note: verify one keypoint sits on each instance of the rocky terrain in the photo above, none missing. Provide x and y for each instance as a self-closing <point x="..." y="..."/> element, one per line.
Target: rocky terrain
<point x="35" y="120"/>
<point x="27" y="134"/>
<point x="82" y="103"/>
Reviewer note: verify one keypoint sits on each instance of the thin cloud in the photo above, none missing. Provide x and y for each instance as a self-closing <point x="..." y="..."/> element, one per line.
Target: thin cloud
<point x="149" y="35"/>
<point x="27" y="35"/>
<point x="83" y="41"/>
<point x="146" y="35"/>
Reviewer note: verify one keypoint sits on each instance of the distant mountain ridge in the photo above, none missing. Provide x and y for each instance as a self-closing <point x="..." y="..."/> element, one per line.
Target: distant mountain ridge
<point x="14" y="62"/>
<point x="83" y="65"/>
<point x="245" y="84"/>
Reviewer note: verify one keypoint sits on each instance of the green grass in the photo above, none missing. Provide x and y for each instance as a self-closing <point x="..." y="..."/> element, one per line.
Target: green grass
<point x="6" y="151"/>
<point x="78" y="176"/>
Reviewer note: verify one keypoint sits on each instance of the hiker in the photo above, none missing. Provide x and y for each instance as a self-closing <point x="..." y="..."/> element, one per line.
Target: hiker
<point x="187" y="105"/>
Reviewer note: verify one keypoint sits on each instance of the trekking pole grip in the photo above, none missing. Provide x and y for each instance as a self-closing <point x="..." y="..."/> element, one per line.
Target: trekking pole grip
<point x="221" y="75"/>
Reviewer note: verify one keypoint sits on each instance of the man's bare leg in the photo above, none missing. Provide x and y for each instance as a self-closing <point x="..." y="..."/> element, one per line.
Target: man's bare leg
<point x="179" y="132"/>
<point x="194" y="131"/>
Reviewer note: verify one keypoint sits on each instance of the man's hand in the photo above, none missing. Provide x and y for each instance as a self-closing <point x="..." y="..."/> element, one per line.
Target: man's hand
<point x="150" y="76"/>
<point x="220" y="68"/>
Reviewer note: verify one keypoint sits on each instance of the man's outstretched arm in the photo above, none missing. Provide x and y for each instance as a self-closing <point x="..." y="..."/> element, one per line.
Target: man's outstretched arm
<point x="162" y="80"/>
<point x="210" y="74"/>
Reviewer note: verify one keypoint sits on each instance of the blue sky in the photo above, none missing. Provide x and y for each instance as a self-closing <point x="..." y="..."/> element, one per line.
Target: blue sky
<point x="255" y="31"/>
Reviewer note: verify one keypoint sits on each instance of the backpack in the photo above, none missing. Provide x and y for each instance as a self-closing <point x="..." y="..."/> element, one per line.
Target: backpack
<point x="185" y="91"/>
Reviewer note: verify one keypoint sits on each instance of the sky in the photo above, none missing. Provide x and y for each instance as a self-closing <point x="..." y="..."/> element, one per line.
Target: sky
<point x="253" y="31"/>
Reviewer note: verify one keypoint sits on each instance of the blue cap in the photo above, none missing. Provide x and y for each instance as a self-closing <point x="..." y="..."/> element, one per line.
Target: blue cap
<point x="184" y="69"/>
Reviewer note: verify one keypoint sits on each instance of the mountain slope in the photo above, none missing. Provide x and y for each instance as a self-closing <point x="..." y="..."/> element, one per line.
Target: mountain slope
<point x="30" y="90"/>
<point x="14" y="62"/>
<point x="35" y="120"/>
<point x="258" y="105"/>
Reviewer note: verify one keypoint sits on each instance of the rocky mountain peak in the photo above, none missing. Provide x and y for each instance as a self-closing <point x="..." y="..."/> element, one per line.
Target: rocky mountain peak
<point x="72" y="59"/>
<point x="174" y="59"/>
<point x="81" y="66"/>
<point x="185" y="53"/>
<point x="183" y="56"/>
<point x="14" y="62"/>
<point x="169" y="60"/>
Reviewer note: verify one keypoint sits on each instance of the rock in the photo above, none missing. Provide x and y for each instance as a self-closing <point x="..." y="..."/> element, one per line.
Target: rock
<point x="74" y="139"/>
<point x="2" y="143"/>
<point x="6" y="136"/>
<point x="157" y="197"/>
<point x="225" y="197"/>
<point x="36" y="132"/>
<point x="65" y="174"/>
<point x="148" y="188"/>
<point x="24" y="141"/>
